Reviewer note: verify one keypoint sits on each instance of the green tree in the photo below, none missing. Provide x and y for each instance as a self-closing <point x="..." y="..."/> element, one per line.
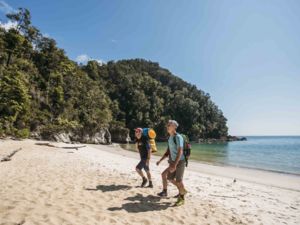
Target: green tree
<point x="42" y="89"/>
<point x="14" y="101"/>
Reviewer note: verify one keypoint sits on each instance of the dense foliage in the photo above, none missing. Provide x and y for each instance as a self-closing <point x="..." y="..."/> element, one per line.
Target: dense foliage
<point x="42" y="90"/>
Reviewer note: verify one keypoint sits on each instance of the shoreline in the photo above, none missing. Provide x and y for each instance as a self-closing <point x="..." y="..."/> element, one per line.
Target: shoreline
<point x="224" y="164"/>
<point x="275" y="179"/>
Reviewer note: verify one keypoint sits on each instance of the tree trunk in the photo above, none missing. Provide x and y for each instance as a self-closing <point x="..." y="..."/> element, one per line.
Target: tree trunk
<point x="9" y="58"/>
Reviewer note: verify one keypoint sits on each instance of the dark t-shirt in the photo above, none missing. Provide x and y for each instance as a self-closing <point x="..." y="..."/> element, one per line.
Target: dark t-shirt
<point x="143" y="146"/>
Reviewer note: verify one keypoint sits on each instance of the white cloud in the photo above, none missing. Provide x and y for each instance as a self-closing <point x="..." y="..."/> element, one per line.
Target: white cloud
<point x="84" y="58"/>
<point x="6" y="8"/>
<point x="100" y="61"/>
<point x="8" y="25"/>
<point x="46" y="35"/>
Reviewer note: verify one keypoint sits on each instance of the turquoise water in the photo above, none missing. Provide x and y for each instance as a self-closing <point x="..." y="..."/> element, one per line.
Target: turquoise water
<point x="280" y="153"/>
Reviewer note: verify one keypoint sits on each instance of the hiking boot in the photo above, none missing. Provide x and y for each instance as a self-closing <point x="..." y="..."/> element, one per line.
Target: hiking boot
<point x="185" y="192"/>
<point x="163" y="194"/>
<point x="180" y="201"/>
<point x="150" y="184"/>
<point x="144" y="182"/>
<point x="177" y="196"/>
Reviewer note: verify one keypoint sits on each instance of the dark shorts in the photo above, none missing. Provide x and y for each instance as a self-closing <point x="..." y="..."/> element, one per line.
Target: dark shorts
<point x="142" y="165"/>
<point x="178" y="173"/>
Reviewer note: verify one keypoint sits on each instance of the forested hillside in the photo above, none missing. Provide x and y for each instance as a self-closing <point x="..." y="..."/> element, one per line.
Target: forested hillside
<point x="42" y="90"/>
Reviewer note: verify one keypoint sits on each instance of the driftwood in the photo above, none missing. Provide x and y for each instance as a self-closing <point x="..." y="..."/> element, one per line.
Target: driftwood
<point x="8" y="157"/>
<point x="74" y="147"/>
<point x="65" y="147"/>
<point x="46" y="144"/>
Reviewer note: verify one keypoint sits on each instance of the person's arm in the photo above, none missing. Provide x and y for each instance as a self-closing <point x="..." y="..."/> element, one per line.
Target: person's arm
<point x="163" y="157"/>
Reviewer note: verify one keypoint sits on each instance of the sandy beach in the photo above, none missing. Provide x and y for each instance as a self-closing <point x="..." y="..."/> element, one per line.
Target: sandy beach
<point x="97" y="184"/>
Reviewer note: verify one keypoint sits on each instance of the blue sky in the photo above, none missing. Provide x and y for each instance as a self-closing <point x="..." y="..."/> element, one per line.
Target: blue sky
<point x="244" y="53"/>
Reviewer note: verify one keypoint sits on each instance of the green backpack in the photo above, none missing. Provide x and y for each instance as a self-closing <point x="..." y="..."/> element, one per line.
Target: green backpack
<point x="187" y="147"/>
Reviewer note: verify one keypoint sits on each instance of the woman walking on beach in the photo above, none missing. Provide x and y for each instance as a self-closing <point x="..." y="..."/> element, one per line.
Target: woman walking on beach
<point x="143" y="146"/>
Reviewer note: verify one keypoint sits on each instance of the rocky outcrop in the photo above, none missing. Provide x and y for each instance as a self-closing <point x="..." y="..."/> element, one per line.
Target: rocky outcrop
<point x="36" y="135"/>
<point x="221" y="140"/>
<point x="102" y="136"/>
<point x="235" y="138"/>
<point x="120" y="135"/>
<point x="63" y="137"/>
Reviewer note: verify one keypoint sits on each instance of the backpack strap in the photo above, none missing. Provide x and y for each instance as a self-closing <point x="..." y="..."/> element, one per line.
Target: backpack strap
<point x="174" y="139"/>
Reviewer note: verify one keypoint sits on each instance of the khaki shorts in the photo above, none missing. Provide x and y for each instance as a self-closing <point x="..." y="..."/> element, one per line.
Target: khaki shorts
<point x="178" y="173"/>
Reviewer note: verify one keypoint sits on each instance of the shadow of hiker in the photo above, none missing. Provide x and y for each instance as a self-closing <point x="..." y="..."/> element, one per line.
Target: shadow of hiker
<point x="144" y="204"/>
<point x="108" y="188"/>
<point x="141" y="198"/>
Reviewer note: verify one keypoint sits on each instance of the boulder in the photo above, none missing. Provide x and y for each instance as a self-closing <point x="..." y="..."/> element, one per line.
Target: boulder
<point x="221" y="140"/>
<point x="120" y="135"/>
<point x="36" y="135"/>
<point x="235" y="138"/>
<point x="102" y="136"/>
<point x="63" y="137"/>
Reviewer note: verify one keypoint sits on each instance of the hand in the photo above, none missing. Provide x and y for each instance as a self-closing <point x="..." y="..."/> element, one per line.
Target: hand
<point x="147" y="162"/>
<point x="158" y="162"/>
<point x="172" y="168"/>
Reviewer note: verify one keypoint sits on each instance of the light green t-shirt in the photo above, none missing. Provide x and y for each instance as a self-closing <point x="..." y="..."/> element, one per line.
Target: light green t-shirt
<point x="173" y="147"/>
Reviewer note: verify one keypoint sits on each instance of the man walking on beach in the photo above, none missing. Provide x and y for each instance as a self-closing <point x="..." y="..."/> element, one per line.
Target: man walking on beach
<point x="143" y="146"/>
<point x="175" y="170"/>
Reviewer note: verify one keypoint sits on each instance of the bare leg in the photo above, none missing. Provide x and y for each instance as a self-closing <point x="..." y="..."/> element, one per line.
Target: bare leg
<point x="139" y="172"/>
<point x="148" y="175"/>
<point x="164" y="176"/>
<point x="173" y="182"/>
<point x="180" y="187"/>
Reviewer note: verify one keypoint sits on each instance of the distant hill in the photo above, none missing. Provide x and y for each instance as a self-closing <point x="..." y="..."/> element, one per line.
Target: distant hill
<point x="42" y="90"/>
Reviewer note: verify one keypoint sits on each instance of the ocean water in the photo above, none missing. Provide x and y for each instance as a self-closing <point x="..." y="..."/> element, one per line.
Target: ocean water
<point x="274" y="153"/>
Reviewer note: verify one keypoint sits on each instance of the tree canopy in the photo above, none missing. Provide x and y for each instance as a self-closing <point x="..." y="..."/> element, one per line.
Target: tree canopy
<point x="42" y="89"/>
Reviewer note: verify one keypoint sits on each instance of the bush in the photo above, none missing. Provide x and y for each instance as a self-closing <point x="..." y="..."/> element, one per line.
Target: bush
<point x="61" y="125"/>
<point x="2" y="133"/>
<point x="23" y="133"/>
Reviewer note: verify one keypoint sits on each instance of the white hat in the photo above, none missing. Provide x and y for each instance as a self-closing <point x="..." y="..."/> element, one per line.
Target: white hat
<point x="174" y="122"/>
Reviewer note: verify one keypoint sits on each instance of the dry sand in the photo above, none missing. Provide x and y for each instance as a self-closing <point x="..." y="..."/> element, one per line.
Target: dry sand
<point x="98" y="185"/>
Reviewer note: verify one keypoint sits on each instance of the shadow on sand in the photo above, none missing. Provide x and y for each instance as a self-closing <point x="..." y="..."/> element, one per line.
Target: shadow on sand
<point x="140" y="203"/>
<point x="109" y="188"/>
